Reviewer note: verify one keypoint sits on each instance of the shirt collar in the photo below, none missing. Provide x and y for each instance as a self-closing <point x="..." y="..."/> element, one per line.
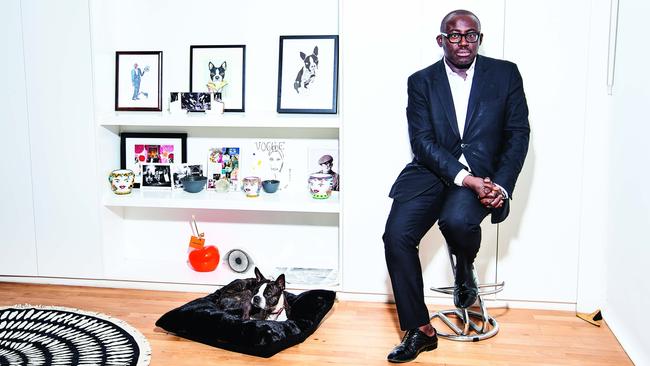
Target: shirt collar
<point x="470" y="71"/>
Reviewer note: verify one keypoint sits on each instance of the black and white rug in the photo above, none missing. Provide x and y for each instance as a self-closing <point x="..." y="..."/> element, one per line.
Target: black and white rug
<point x="44" y="335"/>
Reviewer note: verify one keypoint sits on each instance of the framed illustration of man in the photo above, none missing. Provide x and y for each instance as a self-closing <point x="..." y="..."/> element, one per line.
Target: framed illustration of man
<point x="138" y="81"/>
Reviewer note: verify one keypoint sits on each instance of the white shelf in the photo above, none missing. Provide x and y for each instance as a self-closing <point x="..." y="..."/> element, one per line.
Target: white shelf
<point x="179" y="271"/>
<point x="229" y="119"/>
<point x="283" y="201"/>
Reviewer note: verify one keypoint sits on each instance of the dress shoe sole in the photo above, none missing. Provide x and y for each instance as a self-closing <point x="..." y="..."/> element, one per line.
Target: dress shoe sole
<point x="425" y="349"/>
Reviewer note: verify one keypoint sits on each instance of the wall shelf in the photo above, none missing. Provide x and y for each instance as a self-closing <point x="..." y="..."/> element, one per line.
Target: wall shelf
<point x="242" y="120"/>
<point x="179" y="271"/>
<point x="281" y="201"/>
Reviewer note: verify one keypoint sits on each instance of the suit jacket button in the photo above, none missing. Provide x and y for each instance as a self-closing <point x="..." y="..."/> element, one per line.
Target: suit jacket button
<point x="462" y="146"/>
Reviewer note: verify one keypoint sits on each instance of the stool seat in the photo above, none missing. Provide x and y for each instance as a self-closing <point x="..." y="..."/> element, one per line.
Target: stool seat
<point x="474" y="325"/>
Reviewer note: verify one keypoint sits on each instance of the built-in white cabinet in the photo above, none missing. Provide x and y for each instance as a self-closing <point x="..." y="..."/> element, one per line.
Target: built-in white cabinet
<point x="146" y="233"/>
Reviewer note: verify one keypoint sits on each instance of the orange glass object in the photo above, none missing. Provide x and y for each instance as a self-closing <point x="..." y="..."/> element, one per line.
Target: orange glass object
<point x="197" y="242"/>
<point x="205" y="259"/>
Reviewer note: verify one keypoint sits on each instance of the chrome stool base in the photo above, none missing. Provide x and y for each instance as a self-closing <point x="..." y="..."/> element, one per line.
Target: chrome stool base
<point x="476" y="326"/>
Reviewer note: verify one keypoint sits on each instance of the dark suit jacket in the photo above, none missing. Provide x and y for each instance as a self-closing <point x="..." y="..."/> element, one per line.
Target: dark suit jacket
<point x="495" y="140"/>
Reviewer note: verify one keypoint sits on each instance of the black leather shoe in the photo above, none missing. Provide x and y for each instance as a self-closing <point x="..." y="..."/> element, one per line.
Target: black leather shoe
<point x="465" y="295"/>
<point x="466" y="290"/>
<point x="414" y="342"/>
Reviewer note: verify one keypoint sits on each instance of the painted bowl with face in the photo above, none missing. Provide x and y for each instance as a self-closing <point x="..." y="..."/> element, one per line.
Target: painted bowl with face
<point x="193" y="183"/>
<point x="320" y="185"/>
<point x="270" y="185"/>
<point x="121" y="181"/>
<point x="251" y="186"/>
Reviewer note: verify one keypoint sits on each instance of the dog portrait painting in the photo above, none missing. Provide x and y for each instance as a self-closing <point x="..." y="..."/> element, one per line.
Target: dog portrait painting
<point x="308" y="74"/>
<point x="220" y="69"/>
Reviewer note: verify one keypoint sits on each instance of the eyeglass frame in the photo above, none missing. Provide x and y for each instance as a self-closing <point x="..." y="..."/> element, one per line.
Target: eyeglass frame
<point x="462" y="35"/>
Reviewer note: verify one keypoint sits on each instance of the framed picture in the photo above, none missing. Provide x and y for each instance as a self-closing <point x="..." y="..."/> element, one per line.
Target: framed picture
<point x="138" y="81"/>
<point x="308" y="74"/>
<point x="220" y="69"/>
<point x="156" y="176"/>
<point x="137" y="148"/>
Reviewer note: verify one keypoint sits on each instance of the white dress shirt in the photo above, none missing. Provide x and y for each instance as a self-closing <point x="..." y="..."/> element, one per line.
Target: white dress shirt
<point x="460" y="90"/>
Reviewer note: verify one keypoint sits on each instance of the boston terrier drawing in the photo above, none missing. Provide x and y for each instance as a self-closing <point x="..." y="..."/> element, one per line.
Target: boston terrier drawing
<point x="255" y="298"/>
<point x="307" y="73"/>
<point x="217" y="76"/>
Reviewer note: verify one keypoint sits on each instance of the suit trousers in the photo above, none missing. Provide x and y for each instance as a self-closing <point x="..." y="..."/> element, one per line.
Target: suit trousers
<point x="459" y="214"/>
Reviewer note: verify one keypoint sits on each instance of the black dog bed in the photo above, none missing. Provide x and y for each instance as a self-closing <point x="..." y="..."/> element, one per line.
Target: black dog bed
<point x="199" y="320"/>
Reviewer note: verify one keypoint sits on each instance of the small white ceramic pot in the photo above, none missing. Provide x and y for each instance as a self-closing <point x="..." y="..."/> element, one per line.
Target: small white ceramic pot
<point x="251" y="186"/>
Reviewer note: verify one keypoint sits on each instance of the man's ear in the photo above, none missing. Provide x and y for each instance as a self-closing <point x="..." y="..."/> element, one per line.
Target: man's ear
<point x="480" y="39"/>
<point x="439" y="40"/>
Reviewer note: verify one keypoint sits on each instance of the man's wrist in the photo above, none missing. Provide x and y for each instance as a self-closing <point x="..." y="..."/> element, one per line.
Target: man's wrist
<point x="459" y="180"/>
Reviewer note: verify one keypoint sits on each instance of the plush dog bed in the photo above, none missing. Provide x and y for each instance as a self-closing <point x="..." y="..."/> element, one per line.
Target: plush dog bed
<point x="199" y="320"/>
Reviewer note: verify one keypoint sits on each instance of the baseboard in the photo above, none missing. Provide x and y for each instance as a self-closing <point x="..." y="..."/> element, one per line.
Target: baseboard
<point x="341" y="295"/>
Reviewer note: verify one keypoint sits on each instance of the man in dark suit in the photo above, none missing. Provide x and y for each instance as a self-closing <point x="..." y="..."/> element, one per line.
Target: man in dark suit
<point x="468" y="128"/>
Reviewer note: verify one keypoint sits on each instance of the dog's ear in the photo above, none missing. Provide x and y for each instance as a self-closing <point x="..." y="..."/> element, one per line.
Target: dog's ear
<point x="223" y="65"/>
<point x="316" y="51"/>
<point x="280" y="281"/>
<point x="258" y="275"/>
<point x="211" y="65"/>
<point x="302" y="55"/>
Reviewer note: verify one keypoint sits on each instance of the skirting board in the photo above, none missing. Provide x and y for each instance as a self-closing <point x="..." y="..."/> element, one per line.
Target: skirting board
<point x="341" y="295"/>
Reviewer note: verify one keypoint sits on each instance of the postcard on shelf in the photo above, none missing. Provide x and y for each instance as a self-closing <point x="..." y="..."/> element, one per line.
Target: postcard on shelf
<point x="156" y="176"/>
<point x="325" y="161"/>
<point x="180" y="171"/>
<point x="269" y="159"/>
<point x="223" y="168"/>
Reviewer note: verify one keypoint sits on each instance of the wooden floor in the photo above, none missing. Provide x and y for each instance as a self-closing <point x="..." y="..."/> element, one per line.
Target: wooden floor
<point x="354" y="333"/>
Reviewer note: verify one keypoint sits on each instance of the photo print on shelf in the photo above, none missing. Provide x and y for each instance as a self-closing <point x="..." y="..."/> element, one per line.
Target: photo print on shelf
<point x="269" y="159"/>
<point x="325" y="161"/>
<point x="180" y="171"/>
<point x="156" y="176"/>
<point x="223" y="168"/>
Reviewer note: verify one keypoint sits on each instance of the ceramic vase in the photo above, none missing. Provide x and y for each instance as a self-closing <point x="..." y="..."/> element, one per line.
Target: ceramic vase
<point x="320" y="185"/>
<point x="121" y="181"/>
<point x="251" y="186"/>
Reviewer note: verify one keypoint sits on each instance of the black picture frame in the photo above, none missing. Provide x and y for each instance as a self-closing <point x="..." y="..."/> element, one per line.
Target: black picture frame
<point x="130" y="156"/>
<point x="229" y="61"/>
<point x="138" y="90"/>
<point x="301" y="87"/>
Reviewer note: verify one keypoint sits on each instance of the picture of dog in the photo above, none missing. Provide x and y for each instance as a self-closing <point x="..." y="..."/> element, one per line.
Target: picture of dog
<point x="306" y="74"/>
<point x="255" y="298"/>
<point x="217" y="76"/>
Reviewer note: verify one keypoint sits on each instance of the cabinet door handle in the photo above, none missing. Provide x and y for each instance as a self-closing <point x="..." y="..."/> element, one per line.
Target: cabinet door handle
<point x="611" y="48"/>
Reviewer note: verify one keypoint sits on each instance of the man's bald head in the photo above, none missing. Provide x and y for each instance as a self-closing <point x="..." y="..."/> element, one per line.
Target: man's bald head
<point x="455" y="13"/>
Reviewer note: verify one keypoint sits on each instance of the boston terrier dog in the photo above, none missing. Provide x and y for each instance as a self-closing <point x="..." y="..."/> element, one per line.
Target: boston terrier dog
<point x="307" y="73"/>
<point x="255" y="298"/>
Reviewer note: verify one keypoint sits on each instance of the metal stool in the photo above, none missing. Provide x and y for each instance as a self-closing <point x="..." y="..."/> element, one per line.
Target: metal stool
<point x="476" y="326"/>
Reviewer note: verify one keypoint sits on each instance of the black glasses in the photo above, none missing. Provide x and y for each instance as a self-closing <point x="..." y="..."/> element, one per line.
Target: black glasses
<point x="470" y="37"/>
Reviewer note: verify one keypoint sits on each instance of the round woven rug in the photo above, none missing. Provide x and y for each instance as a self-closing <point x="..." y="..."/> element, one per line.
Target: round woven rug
<point x="45" y="335"/>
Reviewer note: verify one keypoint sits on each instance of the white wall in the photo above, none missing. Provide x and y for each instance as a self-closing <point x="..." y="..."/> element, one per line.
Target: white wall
<point x="629" y="211"/>
<point x="17" y="243"/>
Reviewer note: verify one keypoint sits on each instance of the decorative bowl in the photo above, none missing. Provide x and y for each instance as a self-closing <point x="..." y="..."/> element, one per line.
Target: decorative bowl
<point x="320" y="185"/>
<point x="193" y="183"/>
<point x="270" y="185"/>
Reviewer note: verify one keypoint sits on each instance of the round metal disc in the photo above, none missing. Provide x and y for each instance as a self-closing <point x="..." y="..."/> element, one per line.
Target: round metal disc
<point x="238" y="260"/>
